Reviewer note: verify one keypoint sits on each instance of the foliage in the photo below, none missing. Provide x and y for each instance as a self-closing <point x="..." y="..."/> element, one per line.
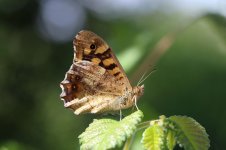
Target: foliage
<point x="189" y="133"/>
<point x="153" y="137"/>
<point x="107" y="133"/>
<point x="161" y="134"/>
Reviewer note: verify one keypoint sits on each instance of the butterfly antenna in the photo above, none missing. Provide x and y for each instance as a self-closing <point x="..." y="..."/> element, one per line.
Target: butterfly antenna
<point x="143" y="79"/>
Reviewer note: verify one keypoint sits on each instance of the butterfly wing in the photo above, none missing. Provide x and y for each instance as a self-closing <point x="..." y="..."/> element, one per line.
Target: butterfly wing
<point x="96" y="80"/>
<point x="101" y="55"/>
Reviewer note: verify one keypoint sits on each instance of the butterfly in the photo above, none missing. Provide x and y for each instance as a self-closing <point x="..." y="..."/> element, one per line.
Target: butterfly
<point x="96" y="82"/>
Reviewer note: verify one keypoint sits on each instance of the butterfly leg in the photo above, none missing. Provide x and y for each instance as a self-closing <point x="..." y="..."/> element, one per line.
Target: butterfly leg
<point x="135" y="100"/>
<point x="120" y="113"/>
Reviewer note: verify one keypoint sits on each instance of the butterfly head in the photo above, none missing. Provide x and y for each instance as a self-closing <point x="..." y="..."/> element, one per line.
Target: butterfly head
<point x="138" y="90"/>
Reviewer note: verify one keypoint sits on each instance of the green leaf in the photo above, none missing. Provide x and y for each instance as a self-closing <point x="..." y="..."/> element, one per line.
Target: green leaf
<point x="107" y="133"/>
<point x="190" y="134"/>
<point x="153" y="137"/>
<point x="170" y="140"/>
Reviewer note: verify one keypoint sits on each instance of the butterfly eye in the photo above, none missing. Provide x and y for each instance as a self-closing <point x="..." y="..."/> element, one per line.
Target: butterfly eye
<point x="92" y="46"/>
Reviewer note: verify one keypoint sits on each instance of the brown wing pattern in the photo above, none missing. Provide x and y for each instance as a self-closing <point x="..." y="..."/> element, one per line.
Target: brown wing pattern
<point x="96" y="81"/>
<point x="90" y="88"/>
<point x="97" y="51"/>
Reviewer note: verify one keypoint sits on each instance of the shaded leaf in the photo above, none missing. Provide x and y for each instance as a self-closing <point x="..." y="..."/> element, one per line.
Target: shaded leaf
<point x="190" y="134"/>
<point x="170" y="140"/>
<point x="107" y="133"/>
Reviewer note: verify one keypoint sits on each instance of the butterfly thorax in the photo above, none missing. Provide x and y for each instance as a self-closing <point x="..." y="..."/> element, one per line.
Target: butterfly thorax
<point x="129" y="98"/>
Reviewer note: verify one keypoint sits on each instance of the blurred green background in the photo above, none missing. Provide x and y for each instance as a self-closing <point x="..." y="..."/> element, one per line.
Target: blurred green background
<point x="184" y="40"/>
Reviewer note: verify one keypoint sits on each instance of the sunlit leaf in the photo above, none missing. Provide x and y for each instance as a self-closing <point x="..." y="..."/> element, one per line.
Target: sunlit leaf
<point x="153" y="137"/>
<point x="107" y="133"/>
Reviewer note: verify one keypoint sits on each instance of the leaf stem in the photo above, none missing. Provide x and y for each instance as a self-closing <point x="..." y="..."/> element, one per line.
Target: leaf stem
<point x="140" y="126"/>
<point x="128" y="142"/>
<point x="143" y="125"/>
